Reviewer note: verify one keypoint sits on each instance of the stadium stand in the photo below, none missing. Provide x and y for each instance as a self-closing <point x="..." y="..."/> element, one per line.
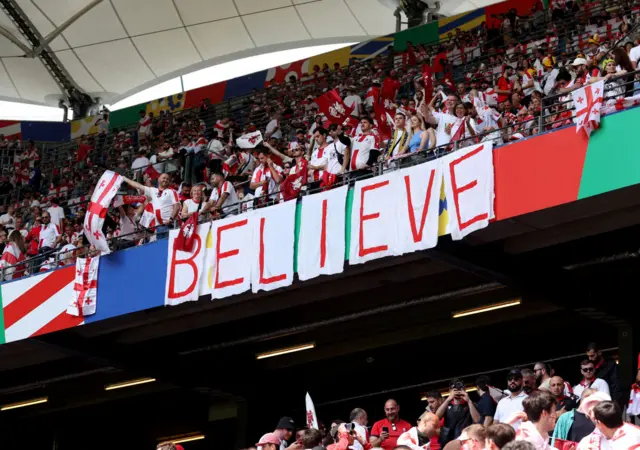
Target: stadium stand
<point x="474" y="86"/>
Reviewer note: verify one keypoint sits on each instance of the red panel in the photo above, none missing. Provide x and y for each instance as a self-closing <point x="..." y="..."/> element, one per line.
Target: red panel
<point x="6" y="123"/>
<point x="214" y="92"/>
<point x="538" y="173"/>
<point x="523" y="7"/>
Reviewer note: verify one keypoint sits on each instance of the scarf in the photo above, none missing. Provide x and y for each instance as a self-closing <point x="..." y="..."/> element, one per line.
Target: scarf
<point x="411" y="440"/>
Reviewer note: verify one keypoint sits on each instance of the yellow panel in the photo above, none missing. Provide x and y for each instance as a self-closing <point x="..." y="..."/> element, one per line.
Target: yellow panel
<point x="86" y="125"/>
<point x="340" y="56"/>
<point x="171" y="103"/>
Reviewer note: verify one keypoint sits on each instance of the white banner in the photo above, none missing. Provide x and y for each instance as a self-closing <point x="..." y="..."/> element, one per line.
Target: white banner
<point x="273" y="241"/>
<point x="469" y="182"/>
<point x="184" y="269"/>
<point x="374" y="225"/>
<point x="103" y="193"/>
<point x="419" y="207"/>
<point x="227" y="261"/>
<point x="249" y="140"/>
<point x="312" y="419"/>
<point x="321" y="244"/>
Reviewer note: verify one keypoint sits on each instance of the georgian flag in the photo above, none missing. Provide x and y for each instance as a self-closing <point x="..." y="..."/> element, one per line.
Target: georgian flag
<point x="85" y="288"/>
<point x="312" y="419"/>
<point x="249" y="140"/>
<point x="148" y="219"/>
<point x="104" y="192"/>
<point x="588" y="101"/>
<point x="332" y="106"/>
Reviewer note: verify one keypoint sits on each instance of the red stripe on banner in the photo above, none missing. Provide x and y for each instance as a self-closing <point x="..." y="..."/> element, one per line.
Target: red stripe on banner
<point x="37" y="295"/>
<point x="108" y="188"/>
<point x="61" y="322"/>
<point x="323" y="235"/>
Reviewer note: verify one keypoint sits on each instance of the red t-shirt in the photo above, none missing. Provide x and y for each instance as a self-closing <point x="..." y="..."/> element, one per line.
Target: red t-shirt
<point x="83" y="151"/>
<point x="437" y="62"/>
<point x="400" y="427"/>
<point x="504" y="85"/>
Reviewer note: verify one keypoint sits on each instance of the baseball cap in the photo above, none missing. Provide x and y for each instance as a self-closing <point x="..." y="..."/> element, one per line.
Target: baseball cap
<point x="548" y="62"/>
<point x="269" y="438"/>
<point x="579" y="62"/>
<point x="286" y="423"/>
<point x="514" y="373"/>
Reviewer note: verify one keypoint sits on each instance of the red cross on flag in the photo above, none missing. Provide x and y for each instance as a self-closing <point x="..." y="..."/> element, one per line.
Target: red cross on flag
<point x="249" y="140"/>
<point x="85" y="288"/>
<point x="103" y="193"/>
<point x="588" y="102"/>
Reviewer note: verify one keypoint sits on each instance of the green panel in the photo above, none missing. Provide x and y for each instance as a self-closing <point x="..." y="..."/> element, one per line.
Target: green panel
<point x="297" y="236"/>
<point x="2" y="339"/>
<point x="613" y="158"/>
<point x="347" y="224"/>
<point x="126" y="116"/>
<point x="424" y="34"/>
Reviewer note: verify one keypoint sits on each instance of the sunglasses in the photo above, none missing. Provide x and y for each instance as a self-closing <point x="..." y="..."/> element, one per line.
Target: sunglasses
<point x="588" y="369"/>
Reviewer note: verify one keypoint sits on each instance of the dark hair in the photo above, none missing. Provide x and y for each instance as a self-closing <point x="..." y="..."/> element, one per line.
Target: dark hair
<point x="398" y="113"/>
<point x="311" y="438"/>
<point x="592" y="346"/>
<point x="186" y="184"/>
<point x="333" y="127"/>
<point x="537" y="403"/>
<point x="367" y="118"/>
<point x="622" y="59"/>
<point x="545" y="366"/>
<point x="585" y="362"/>
<point x="456" y="381"/>
<point x="609" y="413"/>
<point x="483" y="382"/>
<point x="501" y="434"/>
<point x="322" y="131"/>
<point x="434" y="394"/>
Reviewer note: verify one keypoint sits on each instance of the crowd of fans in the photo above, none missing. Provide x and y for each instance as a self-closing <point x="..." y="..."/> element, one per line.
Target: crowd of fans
<point x="503" y="81"/>
<point x="539" y="410"/>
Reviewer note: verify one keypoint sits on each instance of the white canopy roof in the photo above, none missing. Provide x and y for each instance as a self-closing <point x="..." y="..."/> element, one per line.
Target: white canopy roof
<point x="119" y="47"/>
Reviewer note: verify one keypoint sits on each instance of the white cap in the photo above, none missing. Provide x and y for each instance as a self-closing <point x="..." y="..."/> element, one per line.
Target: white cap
<point x="579" y="62"/>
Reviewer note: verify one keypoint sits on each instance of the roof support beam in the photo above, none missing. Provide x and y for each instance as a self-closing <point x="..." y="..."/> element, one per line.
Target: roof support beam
<point x="55" y="33"/>
<point x="6" y="33"/>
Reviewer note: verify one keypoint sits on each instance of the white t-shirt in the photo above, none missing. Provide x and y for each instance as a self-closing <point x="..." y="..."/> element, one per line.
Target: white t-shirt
<point x="319" y="157"/>
<point x="140" y="162"/>
<point x="634" y="54"/>
<point x="262" y="173"/>
<point x="230" y="205"/>
<point x="508" y="407"/>
<point x="145" y="125"/>
<point x="362" y="432"/>
<point x="446" y="122"/>
<point x="162" y="202"/>
<point x="57" y="215"/>
<point x="598" y="384"/>
<point x="626" y="437"/>
<point x="361" y="148"/>
<point x="48" y="235"/>
<point x="334" y="149"/>
<point x="128" y="226"/>
<point x="272" y="126"/>
<point x="526" y="80"/>
<point x="192" y="206"/>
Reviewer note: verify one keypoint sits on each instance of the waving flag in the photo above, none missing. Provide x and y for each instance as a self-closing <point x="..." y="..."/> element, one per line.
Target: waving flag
<point x="312" y="419"/>
<point x="588" y="101"/>
<point x="249" y="140"/>
<point x="384" y="129"/>
<point x="332" y="106"/>
<point x="85" y="288"/>
<point x="104" y="192"/>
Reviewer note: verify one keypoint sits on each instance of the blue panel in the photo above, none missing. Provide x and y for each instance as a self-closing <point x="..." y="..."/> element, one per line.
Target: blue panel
<point x="131" y="280"/>
<point x="46" y="131"/>
<point x="244" y="85"/>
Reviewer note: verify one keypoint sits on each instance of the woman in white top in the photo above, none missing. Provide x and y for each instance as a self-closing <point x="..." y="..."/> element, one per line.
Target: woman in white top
<point x="193" y="204"/>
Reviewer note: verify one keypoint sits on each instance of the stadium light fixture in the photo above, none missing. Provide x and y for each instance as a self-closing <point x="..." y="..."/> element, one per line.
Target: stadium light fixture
<point x="197" y="437"/>
<point x="125" y="384"/>
<point x="34" y="401"/>
<point x="285" y="351"/>
<point x="484" y="309"/>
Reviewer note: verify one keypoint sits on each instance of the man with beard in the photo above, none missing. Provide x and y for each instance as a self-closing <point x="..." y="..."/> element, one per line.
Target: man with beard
<point x="529" y="381"/>
<point x="385" y="432"/>
<point x="581" y="79"/>
<point x="511" y="405"/>
<point x="607" y="370"/>
<point x="543" y="375"/>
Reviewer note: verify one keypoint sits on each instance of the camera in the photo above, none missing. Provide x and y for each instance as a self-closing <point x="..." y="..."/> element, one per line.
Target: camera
<point x="458" y="386"/>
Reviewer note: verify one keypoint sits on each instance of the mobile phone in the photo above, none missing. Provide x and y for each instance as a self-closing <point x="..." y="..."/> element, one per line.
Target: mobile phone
<point x="385" y="430"/>
<point x="348" y="426"/>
